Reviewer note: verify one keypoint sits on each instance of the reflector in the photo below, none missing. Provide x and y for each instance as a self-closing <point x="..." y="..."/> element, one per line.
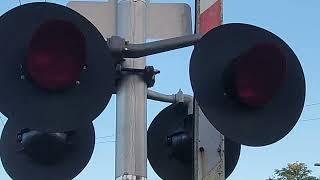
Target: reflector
<point x="171" y="161"/>
<point x="27" y="156"/>
<point x="55" y="67"/>
<point x="248" y="82"/>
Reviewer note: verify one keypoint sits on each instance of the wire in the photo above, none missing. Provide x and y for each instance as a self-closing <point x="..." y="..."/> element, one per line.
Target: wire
<point x="103" y="142"/>
<point x="105" y="137"/>
<point x="312" y="104"/>
<point x="311" y="119"/>
<point x="106" y="141"/>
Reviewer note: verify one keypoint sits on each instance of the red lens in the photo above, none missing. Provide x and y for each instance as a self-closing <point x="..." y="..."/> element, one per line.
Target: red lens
<point x="56" y="55"/>
<point x="258" y="74"/>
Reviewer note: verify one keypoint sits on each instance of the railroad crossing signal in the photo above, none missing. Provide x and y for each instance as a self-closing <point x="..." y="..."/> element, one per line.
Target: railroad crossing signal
<point x="252" y="89"/>
<point x="57" y="70"/>
<point x="170" y="144"/>
<point x="60" y="73"/>
<point x="36" y="155"/>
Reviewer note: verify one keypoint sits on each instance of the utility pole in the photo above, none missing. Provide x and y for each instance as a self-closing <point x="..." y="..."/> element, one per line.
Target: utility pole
<point x="131" y="141"/>
<point x="223" y="62"/>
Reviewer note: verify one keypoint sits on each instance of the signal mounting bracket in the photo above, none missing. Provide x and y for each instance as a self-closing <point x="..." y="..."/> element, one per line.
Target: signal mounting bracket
<point x="121" y="48"/>
<point x="179" y="97"/>
<point x="148" y="73"/>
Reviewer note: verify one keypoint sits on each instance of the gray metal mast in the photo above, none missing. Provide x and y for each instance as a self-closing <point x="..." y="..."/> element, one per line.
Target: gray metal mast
<point x="135" y="21"/>
<point x="131" y="139"/>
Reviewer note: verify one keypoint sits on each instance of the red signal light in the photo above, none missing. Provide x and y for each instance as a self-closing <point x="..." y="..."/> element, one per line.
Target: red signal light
<point x="245" y="80"/>
<point x="56" y="55"/>
<point x="255" y="76"/>
<point x="58" y="59"/>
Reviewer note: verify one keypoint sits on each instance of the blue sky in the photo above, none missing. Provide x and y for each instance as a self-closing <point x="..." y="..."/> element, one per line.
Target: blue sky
<point x="296" y="22"/>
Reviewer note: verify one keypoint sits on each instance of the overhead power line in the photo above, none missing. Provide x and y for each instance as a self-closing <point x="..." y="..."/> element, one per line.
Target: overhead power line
<point x="312" y="104"/>
<point x="311" y="119"/>
<point x="101" y="137"/>
<point x="103" y="142"/>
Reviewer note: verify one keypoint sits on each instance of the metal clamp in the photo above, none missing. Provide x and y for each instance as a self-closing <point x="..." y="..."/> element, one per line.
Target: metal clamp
<point x="148" y="73"/>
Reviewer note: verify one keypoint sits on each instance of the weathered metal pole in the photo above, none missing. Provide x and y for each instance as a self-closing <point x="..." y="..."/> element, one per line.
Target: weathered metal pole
<point x="131" y="139"/>
<point x="209" y="160"/>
